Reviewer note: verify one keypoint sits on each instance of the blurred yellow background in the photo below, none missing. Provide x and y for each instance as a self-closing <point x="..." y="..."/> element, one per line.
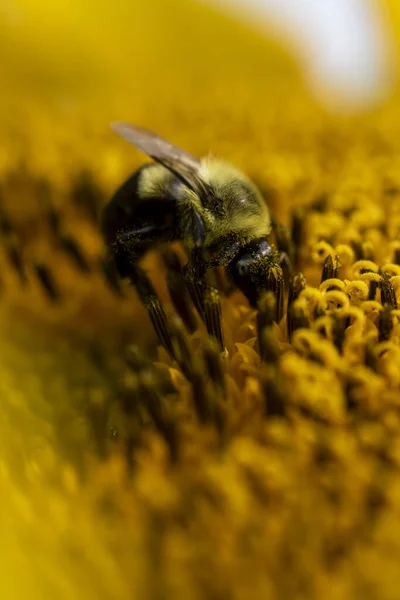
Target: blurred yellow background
<point x="69" y="68"/>
<point x="69" y="50"/>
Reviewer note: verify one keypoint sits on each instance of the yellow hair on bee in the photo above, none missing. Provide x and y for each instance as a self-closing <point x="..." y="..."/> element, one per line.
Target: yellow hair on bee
<point x="245" y="210"/>
<point x="154" y="180"/>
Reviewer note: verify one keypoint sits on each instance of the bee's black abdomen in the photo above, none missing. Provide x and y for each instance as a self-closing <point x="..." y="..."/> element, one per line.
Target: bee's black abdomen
<point x="119" y="211"/>
<point x="135" y="222"/>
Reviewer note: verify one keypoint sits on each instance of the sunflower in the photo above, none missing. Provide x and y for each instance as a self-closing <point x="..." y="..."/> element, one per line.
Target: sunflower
<point x="270" y="470"/>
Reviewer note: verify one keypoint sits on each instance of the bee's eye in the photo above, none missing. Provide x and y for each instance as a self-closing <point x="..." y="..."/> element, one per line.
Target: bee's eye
<point x="214" y="204"/>
<point x="243" y="265"/>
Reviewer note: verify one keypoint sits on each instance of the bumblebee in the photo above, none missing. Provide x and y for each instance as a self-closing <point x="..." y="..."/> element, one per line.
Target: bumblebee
<point x="210" y="206"/>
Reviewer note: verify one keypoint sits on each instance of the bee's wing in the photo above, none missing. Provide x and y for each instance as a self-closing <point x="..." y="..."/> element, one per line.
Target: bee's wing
<point x="179" y="162"/>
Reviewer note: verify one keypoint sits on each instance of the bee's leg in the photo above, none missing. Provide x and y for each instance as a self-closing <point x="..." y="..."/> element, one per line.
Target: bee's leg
<point x="255" y="269"/>
<point x="151" y="301"/>
<point x="287" y="265"/>
<point x="205" y="298"/>
<point x="193" y="228"/>
<point x="285" y="246"/>
<point x="178" y="290"/>
<point x="213" y="315"/>
<point x="128" y="250"/>
<point x="194" y="273"/>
